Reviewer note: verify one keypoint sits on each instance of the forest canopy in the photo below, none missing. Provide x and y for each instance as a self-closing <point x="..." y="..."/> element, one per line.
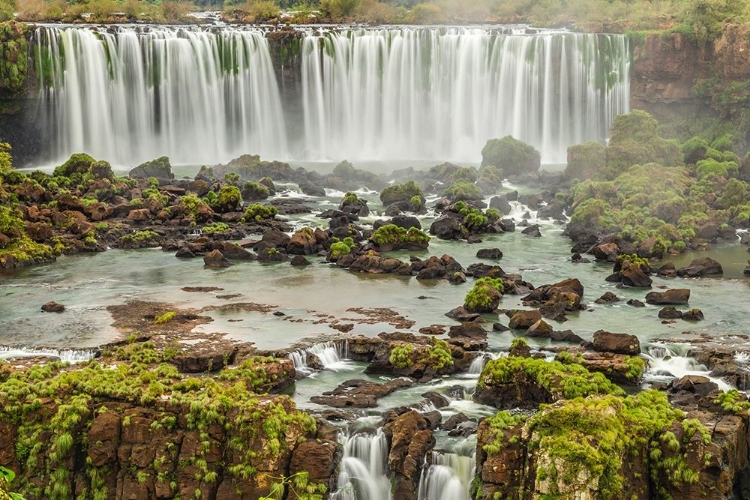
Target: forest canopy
<point x="701" y="18"/>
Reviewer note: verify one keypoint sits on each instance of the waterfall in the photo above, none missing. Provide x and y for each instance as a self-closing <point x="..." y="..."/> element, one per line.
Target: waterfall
<point x="329" y="355"/>
<point x="132" y="94"/>
<point x="441" y="94"/>
<point x="448" y="478"/>
<point x="666" y="364"/>
<point x="205" y="95"/>
<point x="364" y="469"/>
<point x="71" y="356"/>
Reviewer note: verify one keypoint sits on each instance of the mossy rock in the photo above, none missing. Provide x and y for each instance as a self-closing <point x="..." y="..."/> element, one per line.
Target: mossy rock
<point x="586" y="161"/>
<point x="159" y="168"/>
<point x="401" y="193"/>
<point x="514" y="157"/>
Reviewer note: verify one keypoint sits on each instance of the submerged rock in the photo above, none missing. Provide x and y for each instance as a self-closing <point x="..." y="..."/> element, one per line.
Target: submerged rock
<point x="673" y="296"/>
<point x="705" y="266"/>
<point x="53" y="307"/>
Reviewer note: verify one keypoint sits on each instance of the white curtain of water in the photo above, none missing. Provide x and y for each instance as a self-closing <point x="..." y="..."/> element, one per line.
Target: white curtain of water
<point x="127" y="95"/>
<point x="364" y="469"/>
<point x="448" y="478"/>
<point x="441" y="94"/>
<point x="330" y="354"/>
<point x="65" y="355"/>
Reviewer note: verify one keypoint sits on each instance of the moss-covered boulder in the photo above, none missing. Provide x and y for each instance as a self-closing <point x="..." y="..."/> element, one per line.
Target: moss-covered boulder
<point x="392" y="237"/>
<point x="405" y="192"/>
<point x="484" y="296"/>
<point x="255" y="191"/>
<point x="512" y="156"/>
<point x="464" y="191"/>
<point x="515" y="382"/>
<point x="159" y="168"/>
<point x="81" y="167"/>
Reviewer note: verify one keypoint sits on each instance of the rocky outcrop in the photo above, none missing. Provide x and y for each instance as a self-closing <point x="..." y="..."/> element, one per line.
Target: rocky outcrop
<point x="411" y="439"/>
<point x="619" y="343"/>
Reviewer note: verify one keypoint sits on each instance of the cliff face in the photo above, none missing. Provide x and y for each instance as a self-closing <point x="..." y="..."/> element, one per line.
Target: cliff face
<point x="678" y="81"/>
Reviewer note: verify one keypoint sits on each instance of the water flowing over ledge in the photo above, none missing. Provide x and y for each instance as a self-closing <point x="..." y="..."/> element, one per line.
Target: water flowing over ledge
<point x="128" y="94"/>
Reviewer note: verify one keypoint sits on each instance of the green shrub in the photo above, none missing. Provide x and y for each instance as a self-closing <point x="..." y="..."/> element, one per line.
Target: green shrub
<point x="511" y="155"/>
<point x="391" y="234"/>
<point x="253" y="191"/>
<point x="400" y="192"/>
<point x="216" y="228"/>
<point x="229" y="199"/>
<point x="463" y="190"/>
<point x="484" y="296"/>
<point x="586" y="161"/>
<point x="400" y="356"/>
<point x="694" y="150"/>
<point x="165" y="318"/>
<point x="257" y="213"/>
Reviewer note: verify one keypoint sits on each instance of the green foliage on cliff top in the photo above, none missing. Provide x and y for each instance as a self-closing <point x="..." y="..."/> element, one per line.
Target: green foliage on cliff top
<point x="561" y="380"/>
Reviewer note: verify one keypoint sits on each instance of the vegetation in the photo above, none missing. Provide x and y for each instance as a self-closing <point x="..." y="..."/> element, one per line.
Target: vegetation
<point x="512" y="156"/>
<point x="484" y="296"/>
<point x="51" y="407"/>
<point x="216" y="228"/>
<point x="436" y="355"/>
<point x="343" y="247"/>
<point x="397" y="237"/>
<point x="6" y="478"/>
<point x="561" y="380"/>
<point x="258" y="213"/>
<point x="401" y="193"/>
<point x="252" y="191"/>
<point x="463" y="190"/>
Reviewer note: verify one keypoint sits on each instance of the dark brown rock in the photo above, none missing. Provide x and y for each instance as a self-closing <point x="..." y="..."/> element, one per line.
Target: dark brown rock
<point x="674" y="296"/>
<point x="620" y="343"/>
<point x="53" y="307"/>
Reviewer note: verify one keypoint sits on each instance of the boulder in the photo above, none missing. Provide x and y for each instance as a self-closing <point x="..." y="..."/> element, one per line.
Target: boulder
<point x="160" y="168"/>
<point x="539" y="329"/>
<point x="215" y="258"/>
<point x="673" y="296"/>
<point x="532" y="230"/>
<point x="524" y="319"/>
<point x="608" y="298"/>
<point x="490" y="253"/>
<point x="705" y="266"/>
<point x="470" y="330"/>
<point x="447" y="227"/>
<point x="670" y="312"/>
<point x="53" y="307"/>
<point x="619" y="343"/>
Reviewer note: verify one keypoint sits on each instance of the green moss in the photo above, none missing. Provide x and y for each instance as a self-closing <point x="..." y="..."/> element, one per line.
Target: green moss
<point x="254" y="191"/>
<point x="730" y="402"/>
<point x="216" y="228"/>
<point x="391" y="234"/>
<point x="586" y="161"/>
<point x="436" y="355"/>
<point x="257" y="213"/>
<point x="561" y="380"/>
<point x="499" y="424"/>
<point x="193" y="205"/>
<point x="511" y="156"/>
<point x="14" y="49"/>
<point x="484" y="296"/>
<point x="400" y="192"/>
<point x="165" y="318"/>
<point x="463" y="190"/>
<point x="635" y="366"/>
<point x="229" y="199"/>
<point x="400" y="356"/>
<point x="338" y="249"/>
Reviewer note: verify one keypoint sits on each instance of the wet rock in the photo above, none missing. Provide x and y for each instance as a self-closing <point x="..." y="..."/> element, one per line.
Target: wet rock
<point x="670" y="312"/>
<point x="311" y="189"/>
<point x="507" y="225"/>
<point x="499" y="327"/>
<point x="667" y="270"/>
<point x="606" y="251"/>
<point x="454" y="421"/>
<point x="184" y="252"/>
<point x="160" y="168"/>
<point x="694" y="314"/>
<point x="461" y="314"/>
<point x="447" y="227"/>
<point x="299" y="261"/>
<point x="359" y="393"/>
<point x="533" y="231"/>
<point x="53" y="307"/>
<point x="673" y="296"/>
<point x="490" y="253"/>
<point x="524" y="319"/>
<point x="635" y="303"/>
<point x="565" y="336"/>
<point x="437" y="399"/>
<point x="620" y="343"/>
<point x="433" y="419"/>
<point x="618" y="368"/>
<point x="695" y="384"/>
<point x="404" y="221"/>
<point x="632" y="275"/>
<point x="319" y="459"/>
<point x="470" y="330"/>
<point x="539" y="329"/>
<point x="608" y="298"/>
<point x="215" y="259"/>
<point x="705" y="266"/>
<point x="501" y="204"/>
<point x="233" y="251"/>
<point x="411" y="439"/>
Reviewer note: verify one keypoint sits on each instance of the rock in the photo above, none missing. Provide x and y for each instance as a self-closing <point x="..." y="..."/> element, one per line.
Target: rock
<point x="695" y="384"/>
<point x="139" y="214"/>
<point x="319" y="458"/>
<point x="673" y="296"/>
<point x="233" y="251"/>
<point x="705" y="266"/>
<point x="501" y="204"/>
<point x="670" y="312"/>
<point x="461" y="314"/>
<point x="619" y="343"/>
<point x="539" y="329"/>
<point x="616" y="367"/>
<point x="635" y="303"/>
<point x="633" y="275"/>
<point x="694" y="314"/>
<point x="470" y="330"/>
<point x="160" y="168"/>
<point x="499" y="327"/>
<point x="53" y="307"/>
<point x="524" y="319"/>
<point x="606" y="251"/>
<point x="447" y="227"/>
<point x="565" y="336"/>
<point x="411" y="440"/>
<point x="311" y="190"/>
<point x="299" y="260"/>
<point x="667" y="270"/>
<point x="359" y="393"/>
<point x="532" y="230"/>
<point x="215" y="259"/>
<point x="302" y="242"/>
<point x="608" y="298"/>
<point x="184" y="252"/>
<point x="490" y="253"/>
<point x="433" y="419"/>
<point x="519" y="349"/>
<point x="437" y="399"/>
<point x="454" y="421"/>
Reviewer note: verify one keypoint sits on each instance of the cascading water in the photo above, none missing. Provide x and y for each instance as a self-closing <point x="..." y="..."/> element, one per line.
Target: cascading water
<point x="330" y="355"/>
<point x="448" y="478"/>
<point x="129" y="94"/>
<point x="364" y="471"/>
<point x="441" y="94"/>
<point x="71" y="356"/>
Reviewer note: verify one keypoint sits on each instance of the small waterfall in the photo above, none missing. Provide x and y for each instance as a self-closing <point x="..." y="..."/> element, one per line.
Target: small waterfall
<point x="448" y="478"/>
<point x="666" y="364"/>
<point x="477" y="365"/>
<point x="330" y="355"/>
<point x="364" y="468"/>
<point x="71" y="356"/>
